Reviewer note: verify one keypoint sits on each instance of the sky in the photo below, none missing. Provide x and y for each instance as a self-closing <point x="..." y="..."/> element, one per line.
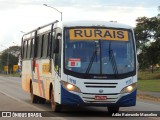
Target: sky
<point x="20" y="16"/>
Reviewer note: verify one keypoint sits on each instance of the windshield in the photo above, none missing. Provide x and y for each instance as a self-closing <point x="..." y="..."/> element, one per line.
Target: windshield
<point x="92" y="55"/>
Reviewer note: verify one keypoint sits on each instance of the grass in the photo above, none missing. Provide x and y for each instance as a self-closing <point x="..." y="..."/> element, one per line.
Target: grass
<point x="148" y="75"/>
<point x="11" y="75"/>
<point x="148" y="81"/>
<point x="149" y="85"/>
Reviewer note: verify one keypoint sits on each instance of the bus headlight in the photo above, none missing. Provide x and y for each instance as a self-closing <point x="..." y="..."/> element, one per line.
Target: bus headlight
<point x="70" y="87"/>
<point x="129" y="88"/>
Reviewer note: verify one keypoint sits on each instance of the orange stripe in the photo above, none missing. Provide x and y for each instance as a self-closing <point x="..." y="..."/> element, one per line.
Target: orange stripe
<point x="38" y="75"/>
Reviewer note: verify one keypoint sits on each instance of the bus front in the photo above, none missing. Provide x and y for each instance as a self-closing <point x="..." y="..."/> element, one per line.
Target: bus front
<point x="99" y="66"/>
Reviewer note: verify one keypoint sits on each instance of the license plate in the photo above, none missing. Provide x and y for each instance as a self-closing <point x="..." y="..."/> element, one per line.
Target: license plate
<point x="100" y="97"/>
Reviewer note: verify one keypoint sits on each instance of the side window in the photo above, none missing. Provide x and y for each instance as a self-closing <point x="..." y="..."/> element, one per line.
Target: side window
<point x="36" y="47"/>
<point x="45" y="46"/>
<point x="39" y="45"/>
<point x="50" y="42"/>
<point x="42" y="46"/>
<point x="25" y="49"/>
<point x="49" y="45"/>
<point x="29" y="49"/>
<point x="32" y="47"/>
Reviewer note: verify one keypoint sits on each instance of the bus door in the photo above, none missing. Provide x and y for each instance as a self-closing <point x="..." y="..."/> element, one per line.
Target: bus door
<point x="57" y="64"/>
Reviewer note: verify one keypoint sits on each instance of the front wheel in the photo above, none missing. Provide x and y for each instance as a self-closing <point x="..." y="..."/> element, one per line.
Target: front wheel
<point x="113" y="109"/>
<point x="55" y="106"/>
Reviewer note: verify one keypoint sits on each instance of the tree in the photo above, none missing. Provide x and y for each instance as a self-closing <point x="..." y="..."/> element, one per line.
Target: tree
<point x="147" y="33"/>
<point x="159" y="11"/>
<point x="141" y="32"/>
<point x="150" y="55"/>
<point x="9" y="57"/>
<point x="153" y="54"/>
<point x="147" y="29"/>
<point x="143" y="60"/>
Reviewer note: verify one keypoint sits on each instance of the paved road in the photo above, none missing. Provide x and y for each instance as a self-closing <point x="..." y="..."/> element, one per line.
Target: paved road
<point x="13" y="98"/>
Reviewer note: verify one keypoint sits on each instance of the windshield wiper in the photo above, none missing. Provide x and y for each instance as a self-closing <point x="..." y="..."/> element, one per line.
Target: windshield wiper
<point x="113" y="61"/>
<point x="93" y="56"/>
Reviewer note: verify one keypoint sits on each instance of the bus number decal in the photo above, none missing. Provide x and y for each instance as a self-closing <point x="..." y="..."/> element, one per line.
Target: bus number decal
<point x="128" y="82"/>
<point x="72" y="81"/>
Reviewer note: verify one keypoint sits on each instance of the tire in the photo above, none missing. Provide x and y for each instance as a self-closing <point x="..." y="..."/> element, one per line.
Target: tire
<point x="54" y="106"/>
<point x="34" y="98"/>
<point x="41" y="100"/>
<point x="113" y="109"/>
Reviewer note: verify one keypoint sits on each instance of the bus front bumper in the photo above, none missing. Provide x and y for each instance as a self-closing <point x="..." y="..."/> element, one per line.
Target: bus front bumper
<point x="68" y="98"/>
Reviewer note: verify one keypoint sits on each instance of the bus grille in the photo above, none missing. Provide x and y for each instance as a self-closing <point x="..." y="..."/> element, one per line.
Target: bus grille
<point x="110" y="97"/>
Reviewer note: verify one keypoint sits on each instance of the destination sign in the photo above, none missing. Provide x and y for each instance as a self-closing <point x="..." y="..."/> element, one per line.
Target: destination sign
<point x="98" y="34"/>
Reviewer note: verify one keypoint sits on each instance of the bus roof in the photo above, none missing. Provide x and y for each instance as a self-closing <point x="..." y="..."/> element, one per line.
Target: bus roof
<point x="85" y="23"/>
<point x="93" y="23"/>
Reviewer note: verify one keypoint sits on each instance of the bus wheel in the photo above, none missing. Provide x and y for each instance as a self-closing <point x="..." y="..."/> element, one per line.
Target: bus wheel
<point x="113" y="109"/>
<point x="55" y="106"/>
<point x="41" y="100"/>
<point x="34" y="98"/>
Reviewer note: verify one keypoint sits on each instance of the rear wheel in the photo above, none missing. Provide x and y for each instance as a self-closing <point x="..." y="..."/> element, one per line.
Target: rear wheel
<point x="55" y="106"/>
<point x="41" y="100"/>
<point x="34" y="98"/>
<point x="113" y="109"/>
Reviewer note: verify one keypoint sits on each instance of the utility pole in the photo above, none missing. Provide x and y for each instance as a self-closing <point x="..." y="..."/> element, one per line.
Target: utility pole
<point x="54" y="9"/>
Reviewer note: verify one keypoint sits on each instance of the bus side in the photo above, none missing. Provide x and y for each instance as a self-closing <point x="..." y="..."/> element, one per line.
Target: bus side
<point x="36" y="71"/>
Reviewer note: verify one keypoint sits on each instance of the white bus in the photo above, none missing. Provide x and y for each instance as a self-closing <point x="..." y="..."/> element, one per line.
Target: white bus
<point x="85" y="63"/>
